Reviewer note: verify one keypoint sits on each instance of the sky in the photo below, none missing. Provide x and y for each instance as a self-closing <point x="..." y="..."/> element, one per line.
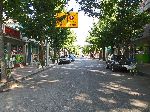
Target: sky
<point x="84" y="23"/>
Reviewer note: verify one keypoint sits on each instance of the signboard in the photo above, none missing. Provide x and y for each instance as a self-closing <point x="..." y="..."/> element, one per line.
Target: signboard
<point x="68" y="20"/>
<point x="11" y="32"/>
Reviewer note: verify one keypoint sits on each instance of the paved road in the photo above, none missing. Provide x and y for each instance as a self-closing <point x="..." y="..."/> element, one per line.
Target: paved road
<point x="82" y="86"/>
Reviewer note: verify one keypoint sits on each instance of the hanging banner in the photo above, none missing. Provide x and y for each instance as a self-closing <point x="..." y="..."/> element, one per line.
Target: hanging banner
<point x="68" y="20"/>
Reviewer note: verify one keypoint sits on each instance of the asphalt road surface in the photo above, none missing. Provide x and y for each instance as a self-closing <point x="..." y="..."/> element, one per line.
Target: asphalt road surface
<point x="82" y="86"/>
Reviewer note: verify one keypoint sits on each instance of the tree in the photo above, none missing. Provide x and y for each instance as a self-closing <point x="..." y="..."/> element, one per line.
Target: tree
<point x="35" y="17"/>
<point x="58" y="39"/>
<point x="118" y="20"/>
<point x="37" y="20"/>
<point x="69" y="42"/>
<point x="2" y="61"/>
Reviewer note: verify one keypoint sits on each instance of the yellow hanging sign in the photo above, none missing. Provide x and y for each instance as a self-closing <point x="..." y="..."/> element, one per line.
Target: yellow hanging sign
<point x="68" y="20"/>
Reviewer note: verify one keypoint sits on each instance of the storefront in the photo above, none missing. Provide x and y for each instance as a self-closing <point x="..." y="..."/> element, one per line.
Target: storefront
<point x="13" y="47"/>
<point x="142" y="54"/>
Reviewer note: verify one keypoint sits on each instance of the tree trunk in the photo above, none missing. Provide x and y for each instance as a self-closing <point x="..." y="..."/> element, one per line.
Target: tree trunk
<point x="41" y="53"/>
<point x="119" y="52"/>
<point x="100" y="54"/>
<point x="64" y="51"/>
<point x="2" y="60"/>
<point x="55" y="55"/>
<point x="103" y="53"/>
<point x="126" y="52"/>
<point x="112" y="50"/>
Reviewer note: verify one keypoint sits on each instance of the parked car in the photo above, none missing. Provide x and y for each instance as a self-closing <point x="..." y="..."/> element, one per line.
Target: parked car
<point x="117" y="62"/>
<point x="64" y="60"/>
<point x="72" y="57"/>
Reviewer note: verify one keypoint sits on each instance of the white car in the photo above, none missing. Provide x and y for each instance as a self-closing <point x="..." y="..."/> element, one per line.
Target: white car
<point x="64" y="60"/>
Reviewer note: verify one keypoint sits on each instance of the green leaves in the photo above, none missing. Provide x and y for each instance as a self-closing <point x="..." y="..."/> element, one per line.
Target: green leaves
<point x="120" y="22"/>
<point x="37" y="20"/>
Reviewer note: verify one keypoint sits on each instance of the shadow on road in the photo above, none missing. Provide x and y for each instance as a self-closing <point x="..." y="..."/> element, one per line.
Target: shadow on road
<point x="86" y="86"/>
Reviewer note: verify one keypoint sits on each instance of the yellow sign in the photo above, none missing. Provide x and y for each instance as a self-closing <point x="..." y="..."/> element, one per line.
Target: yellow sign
<point x="69" y="20"/>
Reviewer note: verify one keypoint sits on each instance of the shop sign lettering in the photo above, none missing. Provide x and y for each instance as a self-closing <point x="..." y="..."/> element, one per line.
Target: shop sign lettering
<point x="12" y="32"/>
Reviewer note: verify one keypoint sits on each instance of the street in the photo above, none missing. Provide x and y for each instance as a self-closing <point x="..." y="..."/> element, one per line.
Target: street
<point x="82" y="86"/>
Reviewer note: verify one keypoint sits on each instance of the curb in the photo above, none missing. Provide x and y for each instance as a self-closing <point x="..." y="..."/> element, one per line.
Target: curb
<point x="4" y="87"/>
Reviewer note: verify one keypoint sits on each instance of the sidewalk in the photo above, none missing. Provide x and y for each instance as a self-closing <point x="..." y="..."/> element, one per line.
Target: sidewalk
<point x="21" y="73"/>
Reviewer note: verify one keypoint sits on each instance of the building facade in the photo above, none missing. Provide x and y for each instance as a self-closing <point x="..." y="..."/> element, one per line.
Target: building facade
<point x="14" y="47"/>
<point x="143" y="44"/>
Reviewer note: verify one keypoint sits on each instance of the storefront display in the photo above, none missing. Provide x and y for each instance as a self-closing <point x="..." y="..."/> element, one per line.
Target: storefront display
<point x="14" y="48"/>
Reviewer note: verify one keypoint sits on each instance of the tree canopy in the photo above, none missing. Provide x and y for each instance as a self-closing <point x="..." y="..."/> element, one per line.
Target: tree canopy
<point x="37" y="20"/>
<point x="120" y="21"/>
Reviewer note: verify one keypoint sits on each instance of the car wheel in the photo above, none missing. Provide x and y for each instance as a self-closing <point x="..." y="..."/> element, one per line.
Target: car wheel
<point x="113" y="69"/>
<point x="59" y="63"/>
<point x="107" y="67"/>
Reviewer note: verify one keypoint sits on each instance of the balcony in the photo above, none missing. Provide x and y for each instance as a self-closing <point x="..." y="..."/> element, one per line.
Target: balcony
<point x="147" y="5"/>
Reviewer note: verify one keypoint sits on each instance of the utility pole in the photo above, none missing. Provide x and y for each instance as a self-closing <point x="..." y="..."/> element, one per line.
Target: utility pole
<point x="2" y="61"/>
